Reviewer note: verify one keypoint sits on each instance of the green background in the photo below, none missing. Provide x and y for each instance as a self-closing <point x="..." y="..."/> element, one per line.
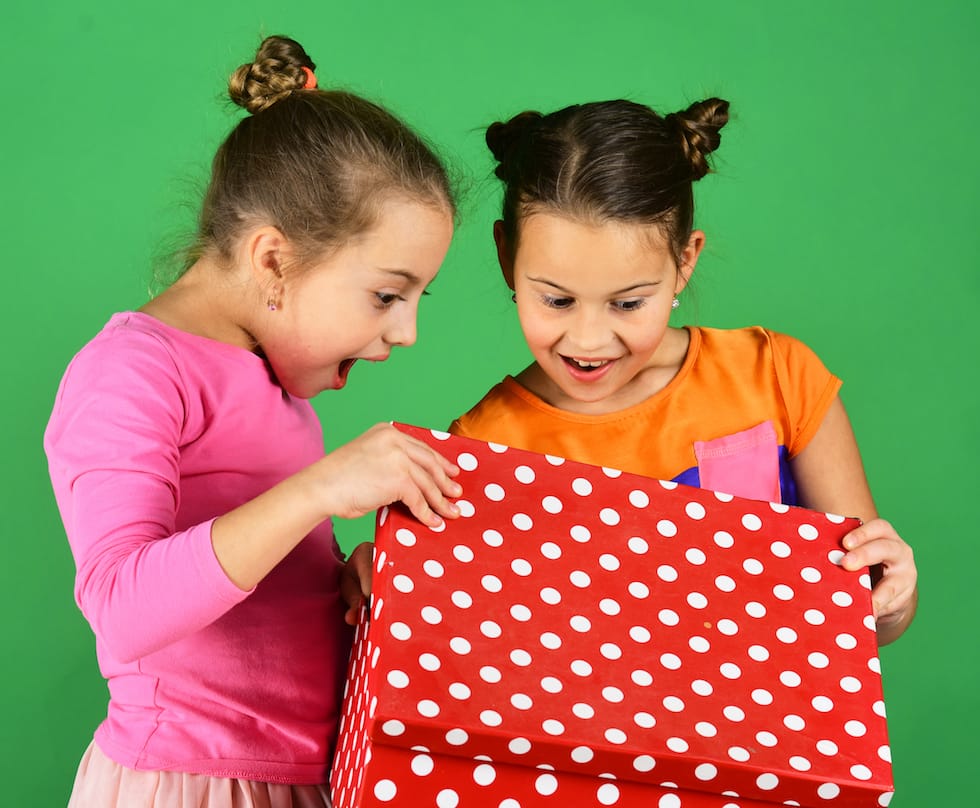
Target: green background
<point x="843" y="211"/>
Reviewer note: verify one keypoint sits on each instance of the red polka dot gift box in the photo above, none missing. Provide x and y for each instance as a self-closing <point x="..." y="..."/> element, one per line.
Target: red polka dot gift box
<point x="586" y="637"/>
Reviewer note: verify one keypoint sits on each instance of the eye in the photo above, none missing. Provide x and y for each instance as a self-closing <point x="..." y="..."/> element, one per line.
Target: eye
<point x="557" y="302"/>
<point x="632" y="304"/>
<point x="386" y="299"/>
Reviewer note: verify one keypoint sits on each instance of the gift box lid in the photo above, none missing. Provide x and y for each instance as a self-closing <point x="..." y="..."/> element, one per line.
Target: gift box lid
<point x="604" y="623"/>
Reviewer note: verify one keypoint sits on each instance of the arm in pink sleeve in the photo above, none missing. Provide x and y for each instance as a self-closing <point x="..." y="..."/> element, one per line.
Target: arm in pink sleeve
<point x="113" y="445"/>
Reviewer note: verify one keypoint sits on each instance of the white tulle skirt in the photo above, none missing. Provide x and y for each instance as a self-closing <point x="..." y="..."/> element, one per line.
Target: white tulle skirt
<point x="103" y="783"/>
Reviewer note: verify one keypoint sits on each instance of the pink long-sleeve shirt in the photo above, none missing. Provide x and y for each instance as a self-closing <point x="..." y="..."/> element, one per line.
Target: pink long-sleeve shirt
<point x="155" y="432"/>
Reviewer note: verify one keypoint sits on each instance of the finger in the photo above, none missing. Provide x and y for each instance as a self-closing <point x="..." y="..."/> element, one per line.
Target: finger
<point x="434" y="496"/>
<point x="362" y="560"/>
<point x="853" y="562"/>
<point x="892" y="601"/>
<point x="890" y="552"/>
<point x="350" y="587"/>
<point x="444" y="462"/>
<point x="881" y="596"/>
<point x="858" y="559"/>
<point x="895" y="589"/>
<point x="443" y="507"/>
<point x="870" y="531"/>
<point x="415" y="501"/>
<point x="437" y="467"/>
<point x="353" y="613"/>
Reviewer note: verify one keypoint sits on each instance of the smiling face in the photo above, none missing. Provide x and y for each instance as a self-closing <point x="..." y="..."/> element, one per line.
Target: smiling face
<point x="358" y="302"/>
<point x="594" y="302"/>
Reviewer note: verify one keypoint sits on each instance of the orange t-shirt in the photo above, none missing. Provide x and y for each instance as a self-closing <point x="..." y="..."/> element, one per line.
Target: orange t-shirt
<point x="743" y="403"/>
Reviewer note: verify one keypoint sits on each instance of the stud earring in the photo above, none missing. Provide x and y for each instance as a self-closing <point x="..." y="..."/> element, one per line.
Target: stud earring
<point x="272" y="304"/>
<point x="675" y="303"/>
<point x="513" y="298"/>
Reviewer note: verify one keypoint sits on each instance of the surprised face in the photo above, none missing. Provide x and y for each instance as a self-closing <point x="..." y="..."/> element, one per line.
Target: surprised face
<point x="358" y="302"/>
<point x="594" y="301"/>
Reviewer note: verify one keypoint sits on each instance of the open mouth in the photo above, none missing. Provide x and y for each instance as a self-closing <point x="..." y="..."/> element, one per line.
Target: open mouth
<point x="344" y="368"/>
<point x="586" y="365"/>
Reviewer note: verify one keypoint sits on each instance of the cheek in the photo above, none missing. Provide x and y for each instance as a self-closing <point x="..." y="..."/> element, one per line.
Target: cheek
<point x="646" y="337"/>
<point x="537" y="331"/>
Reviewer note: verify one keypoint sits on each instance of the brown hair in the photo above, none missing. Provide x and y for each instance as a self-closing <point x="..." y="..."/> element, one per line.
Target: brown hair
<point x="316" y="164"/>
<point x="608" y="160"/>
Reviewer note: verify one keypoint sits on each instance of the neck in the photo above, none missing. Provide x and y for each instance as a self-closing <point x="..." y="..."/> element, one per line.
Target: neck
<point x="208" y="300"/>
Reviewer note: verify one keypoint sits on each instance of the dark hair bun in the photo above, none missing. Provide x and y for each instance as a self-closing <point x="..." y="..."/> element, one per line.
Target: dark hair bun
<point x="503" y="138"/>
<point x="275" y="73"/>
<point x="699" y="129"/>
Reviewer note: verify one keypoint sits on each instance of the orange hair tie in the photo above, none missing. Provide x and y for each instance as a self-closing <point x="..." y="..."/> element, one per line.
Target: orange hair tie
<point x="310" y="79"/>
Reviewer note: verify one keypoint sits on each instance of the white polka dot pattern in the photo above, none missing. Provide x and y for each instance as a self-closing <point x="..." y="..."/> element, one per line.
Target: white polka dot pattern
<point x="594" y="638"/>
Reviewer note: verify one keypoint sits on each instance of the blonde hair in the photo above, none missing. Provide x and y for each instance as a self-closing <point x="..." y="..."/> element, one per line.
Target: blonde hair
<point x="316" y="164"/>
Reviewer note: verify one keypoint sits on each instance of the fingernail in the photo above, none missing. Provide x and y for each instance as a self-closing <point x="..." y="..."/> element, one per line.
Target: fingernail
<point x="457" y="489"/>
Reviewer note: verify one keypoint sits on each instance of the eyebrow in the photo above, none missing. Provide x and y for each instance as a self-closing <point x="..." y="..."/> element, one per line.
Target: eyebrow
<point x="411" y="277"/>
<point x="561" y="288"/>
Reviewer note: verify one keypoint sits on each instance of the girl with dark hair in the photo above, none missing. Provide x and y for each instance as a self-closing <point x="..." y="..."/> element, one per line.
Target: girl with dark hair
<point x="597" y="242"/>
<point x="189" y="468"/>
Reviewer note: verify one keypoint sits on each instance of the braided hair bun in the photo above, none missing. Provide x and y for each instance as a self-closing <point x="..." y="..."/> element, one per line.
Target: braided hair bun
<point x="504" y="137"/>
<point x="278" y="71"/>
<point x="699" y="129"/>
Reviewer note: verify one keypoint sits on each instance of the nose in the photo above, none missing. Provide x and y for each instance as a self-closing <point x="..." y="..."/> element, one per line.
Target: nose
<point x="588" y="330"/>
<point x="402" y="329"/>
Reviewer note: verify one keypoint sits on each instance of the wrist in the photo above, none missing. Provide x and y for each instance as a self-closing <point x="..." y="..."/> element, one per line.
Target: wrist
<point x="314" y="490"/>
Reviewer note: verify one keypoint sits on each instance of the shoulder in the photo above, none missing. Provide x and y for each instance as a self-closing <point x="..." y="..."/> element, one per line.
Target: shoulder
<point x="125" y="370"/>
<point x="127" y="345"/>
<point x="506" y="404"/>
<point x="128" y="353"/>
<point x="749" y="338"/>
<point x="127" y="339"/>
<point x="145" y="351"/>
<point x="495" y="400"/>
<point x="753" y="343"/>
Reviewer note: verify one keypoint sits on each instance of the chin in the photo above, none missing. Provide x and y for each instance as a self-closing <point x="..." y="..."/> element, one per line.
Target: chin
<point x="304" y="391"/>
<point x="598" y="398"/>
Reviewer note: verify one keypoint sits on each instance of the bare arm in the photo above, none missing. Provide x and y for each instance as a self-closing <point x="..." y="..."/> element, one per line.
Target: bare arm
<point x="380" y="467"/>
<point x="830" y="477"/>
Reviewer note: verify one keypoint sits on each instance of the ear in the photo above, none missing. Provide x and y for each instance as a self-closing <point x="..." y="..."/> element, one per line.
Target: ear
<point x="689" y="259"/>
<point x="266" y="251"/>
<point x="505" y="255"/>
